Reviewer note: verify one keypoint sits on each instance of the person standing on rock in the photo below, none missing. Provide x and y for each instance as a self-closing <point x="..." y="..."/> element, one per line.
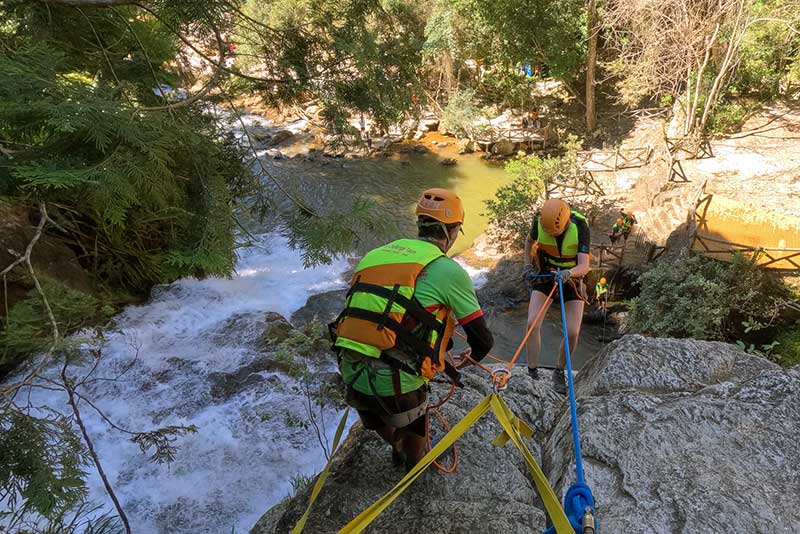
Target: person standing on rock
<point x="601" y="294"/>
<point x="404" y="301"/>
<point x="557" y="243"/>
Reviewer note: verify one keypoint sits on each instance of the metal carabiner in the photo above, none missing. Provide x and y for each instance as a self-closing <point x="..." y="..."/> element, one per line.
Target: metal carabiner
<point x="500" y="385"/>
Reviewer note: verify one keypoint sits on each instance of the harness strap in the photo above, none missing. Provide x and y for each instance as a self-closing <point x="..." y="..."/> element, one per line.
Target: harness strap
<point x="389" y="303"/>
<point x="412" y="307"/>
<point x="416" y="344"/>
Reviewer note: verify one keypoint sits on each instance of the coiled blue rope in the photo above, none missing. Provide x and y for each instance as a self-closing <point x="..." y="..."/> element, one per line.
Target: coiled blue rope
<point x="579" y="496"/>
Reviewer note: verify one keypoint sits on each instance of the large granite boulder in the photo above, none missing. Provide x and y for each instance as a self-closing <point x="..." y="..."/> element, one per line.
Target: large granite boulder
<point x="685" y="436"/>
<point x="679" y="436"/>
<point x="490" y="491"/>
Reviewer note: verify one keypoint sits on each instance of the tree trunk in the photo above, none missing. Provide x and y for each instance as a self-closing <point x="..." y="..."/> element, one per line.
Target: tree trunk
<point x="591" y="63"/>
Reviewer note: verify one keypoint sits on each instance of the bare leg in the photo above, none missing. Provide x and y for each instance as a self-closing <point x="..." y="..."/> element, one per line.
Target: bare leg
<point x="534" y="345"/>
<point x="574" y="312"/>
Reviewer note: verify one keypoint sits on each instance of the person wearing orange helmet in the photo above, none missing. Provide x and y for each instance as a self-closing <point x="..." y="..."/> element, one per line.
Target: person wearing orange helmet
<point x="616" y="231"/>
<point x="628" y="220"/>
<point x="601" y="293"/>
<point x="557" y="243"/>
<point x="404" y="302"/>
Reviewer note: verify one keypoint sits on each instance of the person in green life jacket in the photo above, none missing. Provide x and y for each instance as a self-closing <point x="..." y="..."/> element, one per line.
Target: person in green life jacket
<point x="601" y="293"/>
<point x="557" y="243"/>
<point x="404" y="301"/>
<point x="616" y="231"/>
<point x="628" y="220"/>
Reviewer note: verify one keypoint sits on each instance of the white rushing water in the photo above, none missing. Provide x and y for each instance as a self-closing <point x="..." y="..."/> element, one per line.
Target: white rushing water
<point x="250" y="442"/>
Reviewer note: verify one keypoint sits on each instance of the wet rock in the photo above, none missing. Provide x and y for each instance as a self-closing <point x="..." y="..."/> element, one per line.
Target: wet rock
<point x="428" y="124"/>
<point x="274" y="153"/>
<point x="678" y="436"/>
<point x="241" y="329"/>
<point x="50" y="257"/>
<point x="322" y="307"/>
<point x="259" y="133"/>
<point x="277" y="328"/>
<point x="280" y="136"/>
<point x="421" y="149"/>
<point x="466" y="146"/>
<point x="383" y="142"/>
<point x="448" y="162"/>
<point x="503" y="148"/>
<point x="419" y="135"/>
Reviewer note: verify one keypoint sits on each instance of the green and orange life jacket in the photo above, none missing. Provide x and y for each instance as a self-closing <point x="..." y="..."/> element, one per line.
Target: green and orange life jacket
<point x="547" y="252"/>
<point x="381" y="313"/>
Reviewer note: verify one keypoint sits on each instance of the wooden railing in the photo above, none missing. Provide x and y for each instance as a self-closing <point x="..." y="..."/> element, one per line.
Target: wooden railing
<point x="778" y="259"/>
<point x="584" y="185"/>
<point x="619" y="158"/>
<point x="691" y="147"/>
<point x="782" y="259"/>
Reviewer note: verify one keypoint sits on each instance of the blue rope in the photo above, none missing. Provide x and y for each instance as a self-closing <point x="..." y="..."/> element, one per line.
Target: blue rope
<point x="579" y="495"/>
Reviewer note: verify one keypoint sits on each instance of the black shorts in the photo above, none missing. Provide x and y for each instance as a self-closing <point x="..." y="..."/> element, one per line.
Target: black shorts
<point x="569" y="290"/>
<point x="370" y="409"/>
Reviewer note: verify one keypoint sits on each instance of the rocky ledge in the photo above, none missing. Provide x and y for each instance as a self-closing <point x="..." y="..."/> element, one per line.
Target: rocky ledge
<point x="679" y="436"/>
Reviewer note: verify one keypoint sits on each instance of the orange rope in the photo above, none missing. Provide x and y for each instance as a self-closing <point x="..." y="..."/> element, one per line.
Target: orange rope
<point x="434" y="409"/>
<point x="498" y="380"/>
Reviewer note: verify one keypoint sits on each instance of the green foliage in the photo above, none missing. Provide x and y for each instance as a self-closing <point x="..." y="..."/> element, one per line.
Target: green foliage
<point x="82" y="519"/>
<point x="461" y="113"/>
<point x="28" y="330"/>
<point x="333" y="232"/>
<point x="41" y="461"/>
<point x="704" y="299"/>
<point x="147" y="196"/>
<point x="162" y="442"/>
<point x="683" y="299"/>
<point x="514" y="206"/>
<point x="308" y="340"/>
<point x="369" y="52"/>
<point x="506" y="32"/>
<point x="788" y="349"/>
<point x="727" y="117"/>
<point x="768" y="52"/>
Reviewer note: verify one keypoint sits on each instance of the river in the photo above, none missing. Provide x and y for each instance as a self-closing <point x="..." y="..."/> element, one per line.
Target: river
<point x="247" y="451"/>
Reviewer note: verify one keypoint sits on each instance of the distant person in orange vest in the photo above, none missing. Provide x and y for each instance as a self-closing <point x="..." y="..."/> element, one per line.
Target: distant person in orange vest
<point x="415" y="100"/>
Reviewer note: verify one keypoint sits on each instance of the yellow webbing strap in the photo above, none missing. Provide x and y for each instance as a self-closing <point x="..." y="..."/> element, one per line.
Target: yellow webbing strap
<point x="366" y="517"/>
<point x="551" y="503"/>
<point x="521" y="426"/>
<point x="323" y="476"/>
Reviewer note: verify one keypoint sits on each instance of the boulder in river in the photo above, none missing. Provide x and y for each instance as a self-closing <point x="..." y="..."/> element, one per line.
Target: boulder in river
<point x="277" y="328"/>
<point x="280" y="136"/>
<point x="678" y="436"/>
<point x="503" y="148"/>
<point x="428" y="124"/>
<point x="448" y="162"/>
<point x="322" y="307"/>
<point x="466" y="146"/>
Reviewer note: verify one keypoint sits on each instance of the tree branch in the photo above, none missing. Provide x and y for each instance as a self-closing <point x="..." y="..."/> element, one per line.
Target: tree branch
<point x="90" y="446"/>
<point x="26" y="259"/>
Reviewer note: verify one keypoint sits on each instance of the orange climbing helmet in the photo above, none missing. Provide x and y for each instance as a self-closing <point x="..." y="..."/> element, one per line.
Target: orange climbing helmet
<point x="441" y="205"/>
<point x="619" y="222"/>
<point x="629" y="213"/>
<point x="555" y="216"/>
<point x="603" y="281"/>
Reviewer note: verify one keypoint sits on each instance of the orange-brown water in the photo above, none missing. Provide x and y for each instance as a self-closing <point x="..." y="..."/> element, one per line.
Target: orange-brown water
<point x="739" y="223"/>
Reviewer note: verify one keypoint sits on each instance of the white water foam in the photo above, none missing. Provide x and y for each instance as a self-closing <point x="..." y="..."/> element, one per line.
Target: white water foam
<point x="250" y="443"/>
